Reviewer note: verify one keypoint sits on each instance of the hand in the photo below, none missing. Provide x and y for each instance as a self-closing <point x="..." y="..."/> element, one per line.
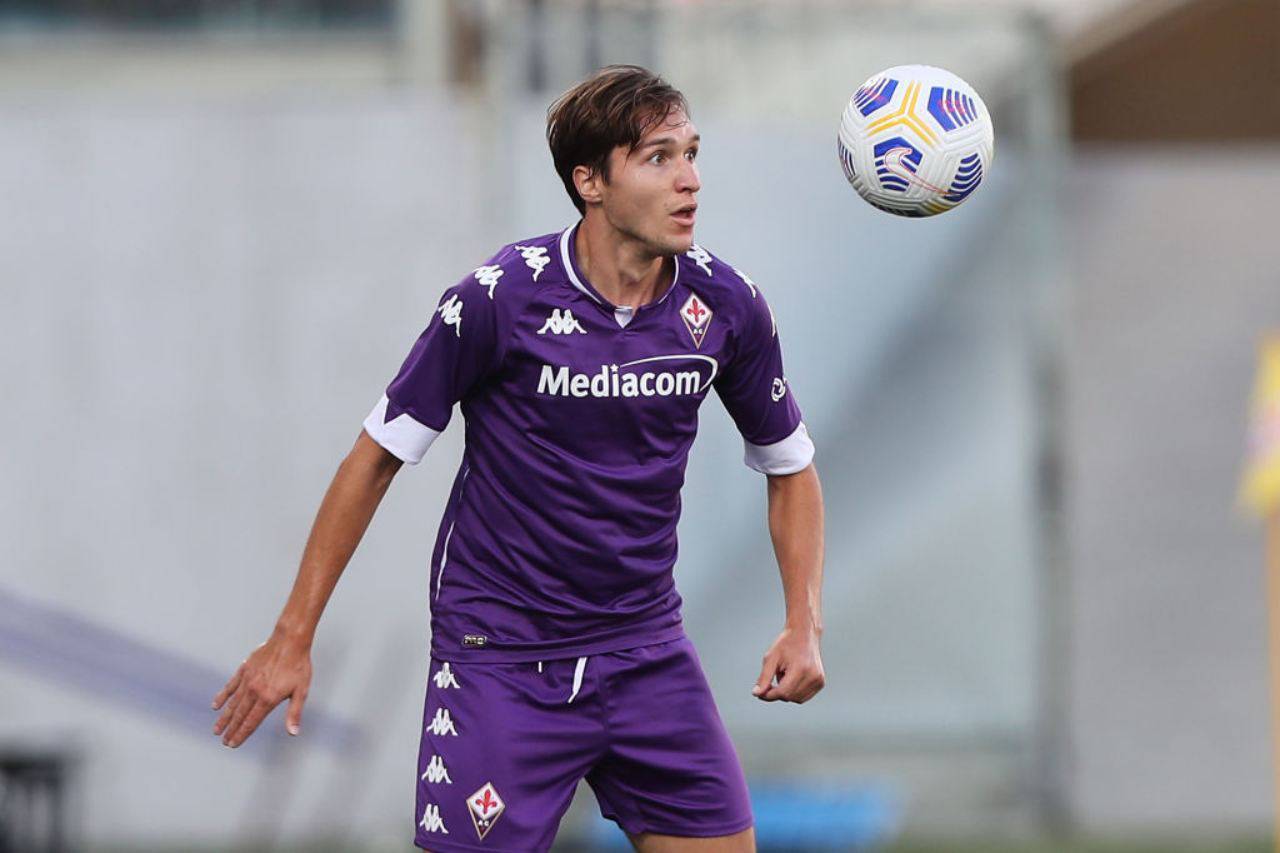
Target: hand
<point x="278" y="669"/>
<point x="795" y="660"/>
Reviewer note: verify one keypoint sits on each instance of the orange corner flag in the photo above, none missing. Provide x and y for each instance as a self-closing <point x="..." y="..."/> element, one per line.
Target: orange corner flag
<point x="1260" y="490"/>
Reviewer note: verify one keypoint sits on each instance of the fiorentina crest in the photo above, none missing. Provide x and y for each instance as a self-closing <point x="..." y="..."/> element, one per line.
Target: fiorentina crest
<point x="697" y="317"/>
<point x="485" y="807"/>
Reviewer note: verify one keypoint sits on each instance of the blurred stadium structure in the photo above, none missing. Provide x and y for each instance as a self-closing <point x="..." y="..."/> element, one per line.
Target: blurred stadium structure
<point x="223" y="223"/>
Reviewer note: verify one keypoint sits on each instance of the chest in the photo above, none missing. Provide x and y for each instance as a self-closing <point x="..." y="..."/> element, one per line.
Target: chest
<point x="573" y="374"/>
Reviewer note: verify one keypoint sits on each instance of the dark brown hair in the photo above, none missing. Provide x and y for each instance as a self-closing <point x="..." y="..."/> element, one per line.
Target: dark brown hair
<point x="615" y="106"/>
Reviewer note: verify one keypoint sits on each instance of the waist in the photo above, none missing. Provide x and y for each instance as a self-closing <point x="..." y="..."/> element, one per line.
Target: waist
<point x="486" y="636"/>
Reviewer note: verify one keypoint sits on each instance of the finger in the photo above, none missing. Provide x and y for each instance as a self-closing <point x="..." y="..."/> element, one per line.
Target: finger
<point x="767" y="671"/>
<point x="231" y="687"/>
<point x="240" y="733"/>
<point x="802" y="687"/>
<point x="787" y="686"/>
<point x="229" y="712"/>
<point x="238" y="716"/>
<point x="293" y="719"/>
<point x="771" y="691"/>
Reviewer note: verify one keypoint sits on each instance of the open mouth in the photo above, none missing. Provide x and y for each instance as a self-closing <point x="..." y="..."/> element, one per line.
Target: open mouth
<point x="685" y="215"/>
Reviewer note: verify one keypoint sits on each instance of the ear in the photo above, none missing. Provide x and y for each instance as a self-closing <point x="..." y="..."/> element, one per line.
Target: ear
<point x="588" y="183"/>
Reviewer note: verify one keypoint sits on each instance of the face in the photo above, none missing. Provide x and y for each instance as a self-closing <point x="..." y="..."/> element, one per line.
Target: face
<point x="652" y="191"/>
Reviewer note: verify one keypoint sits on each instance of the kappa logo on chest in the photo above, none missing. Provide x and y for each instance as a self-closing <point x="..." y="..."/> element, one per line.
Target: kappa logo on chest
<point x="561" y="323"/>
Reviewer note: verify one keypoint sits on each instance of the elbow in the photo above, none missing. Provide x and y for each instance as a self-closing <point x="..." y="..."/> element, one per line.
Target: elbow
<point x="373" y="461"/>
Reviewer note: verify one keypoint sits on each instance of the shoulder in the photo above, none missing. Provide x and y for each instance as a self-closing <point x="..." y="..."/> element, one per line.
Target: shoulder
<point x="533" y="261"/>
<point x="510" y="277"/>
<point x="726" y="287"/>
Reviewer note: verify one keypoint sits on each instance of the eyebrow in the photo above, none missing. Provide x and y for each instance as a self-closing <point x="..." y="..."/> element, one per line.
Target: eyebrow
<point x="668" y="140"/>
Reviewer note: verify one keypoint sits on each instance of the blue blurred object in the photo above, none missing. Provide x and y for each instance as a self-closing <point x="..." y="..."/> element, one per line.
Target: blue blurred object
<point x="805" y="814"/>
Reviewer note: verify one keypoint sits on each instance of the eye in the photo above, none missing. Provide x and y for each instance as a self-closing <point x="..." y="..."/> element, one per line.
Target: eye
<point x="656" y="156"/>
<point x="693" y="153"/>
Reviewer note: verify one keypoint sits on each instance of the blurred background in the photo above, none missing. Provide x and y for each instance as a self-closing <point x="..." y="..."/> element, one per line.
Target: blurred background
<point x="224" y="222"/>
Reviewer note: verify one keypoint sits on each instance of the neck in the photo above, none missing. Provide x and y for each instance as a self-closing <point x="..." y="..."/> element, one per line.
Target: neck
<point x="621" y="268"/>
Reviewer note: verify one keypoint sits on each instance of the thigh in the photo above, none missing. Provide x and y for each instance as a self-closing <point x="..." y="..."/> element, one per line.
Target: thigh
<point x="670" y="767"/>
<point x="739" y="842"/>
<point x="501" y="754"/>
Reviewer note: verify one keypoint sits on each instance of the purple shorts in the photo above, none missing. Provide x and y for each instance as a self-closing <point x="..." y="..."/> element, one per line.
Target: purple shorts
<point x="504" y="745"/>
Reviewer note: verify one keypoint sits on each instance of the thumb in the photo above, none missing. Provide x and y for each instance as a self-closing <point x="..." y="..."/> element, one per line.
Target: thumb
<point x="293" y="719"/>
<point x="766" y="676"/>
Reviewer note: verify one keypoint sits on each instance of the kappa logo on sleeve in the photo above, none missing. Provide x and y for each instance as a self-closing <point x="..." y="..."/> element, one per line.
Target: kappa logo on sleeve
<point x="488" y="277"/>
<point x="697" y="317"/>
<point x="535" y="257"/>
<point x="450" y="312"/>
<point x="701" y="257"/>
<point x="486" y="807"/>
<point x="747" y="279"/>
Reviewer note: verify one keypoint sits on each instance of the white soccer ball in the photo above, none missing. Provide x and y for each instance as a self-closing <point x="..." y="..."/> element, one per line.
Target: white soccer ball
<point x="915" y="140"/>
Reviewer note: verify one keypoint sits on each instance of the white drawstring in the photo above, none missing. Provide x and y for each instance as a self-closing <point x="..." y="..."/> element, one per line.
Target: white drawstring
<point x="577" y="677"/>
<point x="539" y="666"/>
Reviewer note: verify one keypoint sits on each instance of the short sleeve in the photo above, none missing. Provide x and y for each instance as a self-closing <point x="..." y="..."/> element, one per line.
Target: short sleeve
<point x="754" y="390"/>
<point x="453" y="354"/>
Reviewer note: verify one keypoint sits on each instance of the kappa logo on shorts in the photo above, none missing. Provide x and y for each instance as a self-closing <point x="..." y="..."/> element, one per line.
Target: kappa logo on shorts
<point x="444" y="678"/>
<point x="436" y="772"/>
<point x="442" y="724"/>
<point x="485" y="807"/>
<point x="431" y="821"/>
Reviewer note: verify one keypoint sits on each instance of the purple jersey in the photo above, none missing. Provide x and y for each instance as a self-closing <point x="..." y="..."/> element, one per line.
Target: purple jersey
<point x="559" y="537"/>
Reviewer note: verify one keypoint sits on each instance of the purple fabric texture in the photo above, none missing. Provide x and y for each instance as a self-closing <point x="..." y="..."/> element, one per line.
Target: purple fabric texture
<point x="503" y="749"/>
<point x="559" y="536"/>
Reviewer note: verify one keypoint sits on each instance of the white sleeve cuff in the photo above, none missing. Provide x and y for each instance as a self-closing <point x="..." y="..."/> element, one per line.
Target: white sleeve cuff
<point x="792" y="454"/>
<point x="403" y="437"/>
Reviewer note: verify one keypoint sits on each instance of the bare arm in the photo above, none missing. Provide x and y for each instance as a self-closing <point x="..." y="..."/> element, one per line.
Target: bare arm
<point x="795" y="525"/>
<point x="280" y="668"/>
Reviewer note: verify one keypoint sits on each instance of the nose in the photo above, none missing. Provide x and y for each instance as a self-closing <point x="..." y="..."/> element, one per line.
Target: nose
<point x="687" y="178"/>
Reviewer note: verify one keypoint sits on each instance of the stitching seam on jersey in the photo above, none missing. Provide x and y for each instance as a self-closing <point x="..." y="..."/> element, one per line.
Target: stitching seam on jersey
<point x="444" y="554"/>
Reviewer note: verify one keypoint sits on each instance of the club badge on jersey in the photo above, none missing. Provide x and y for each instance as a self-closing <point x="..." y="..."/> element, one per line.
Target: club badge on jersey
<point x="697" y="317"/>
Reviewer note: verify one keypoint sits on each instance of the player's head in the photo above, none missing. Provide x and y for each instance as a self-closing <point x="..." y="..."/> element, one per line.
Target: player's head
<point x="624" y="146"/>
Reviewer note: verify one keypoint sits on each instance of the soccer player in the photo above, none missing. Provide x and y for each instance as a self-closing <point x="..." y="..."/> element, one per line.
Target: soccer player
<point x="558" y="653"/>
